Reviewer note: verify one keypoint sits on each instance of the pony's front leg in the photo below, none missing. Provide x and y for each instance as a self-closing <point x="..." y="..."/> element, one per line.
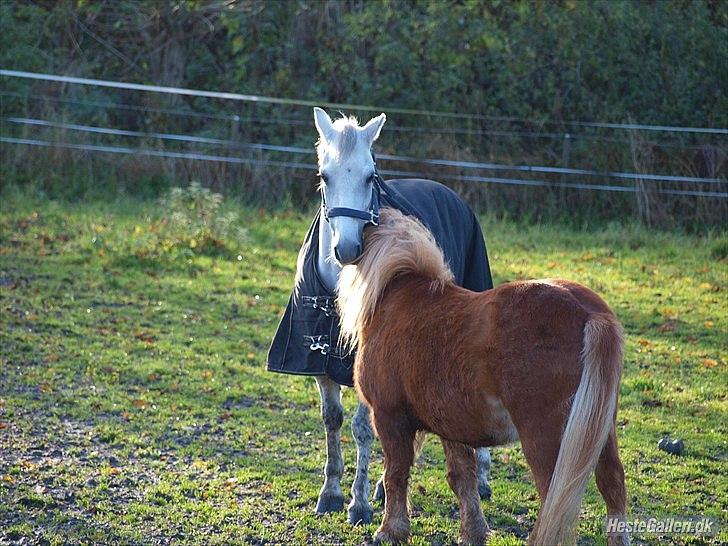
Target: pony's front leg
<point x="461" y="470"/>
<point x="483" y="457"/>
<point x="360" y="511"/>
<point x="331" y="498"/>
<point x="398" y="446"/>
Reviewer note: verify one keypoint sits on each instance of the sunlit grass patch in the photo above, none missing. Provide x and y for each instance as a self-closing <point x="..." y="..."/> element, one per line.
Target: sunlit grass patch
<point x="135" y="407"/>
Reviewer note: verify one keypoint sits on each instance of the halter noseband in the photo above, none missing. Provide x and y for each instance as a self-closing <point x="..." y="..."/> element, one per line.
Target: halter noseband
<point x="371" y="215"/>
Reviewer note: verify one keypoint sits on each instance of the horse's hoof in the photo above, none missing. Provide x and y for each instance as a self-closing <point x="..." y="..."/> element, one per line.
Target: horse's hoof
<point x="475" y="537"/>
<point x="379" y="492"/>
<point x="329" y="503"/>
<point x="485" y="491"/>
<point x="391" y="537"/>
<point x="472" y="541"/>
<point x="360" y="514"/>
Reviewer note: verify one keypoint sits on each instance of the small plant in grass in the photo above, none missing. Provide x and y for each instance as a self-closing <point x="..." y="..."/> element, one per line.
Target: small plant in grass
<point x="719" y="249"/>
<point x="195" y="218"/>
<point x="192" y="222"/>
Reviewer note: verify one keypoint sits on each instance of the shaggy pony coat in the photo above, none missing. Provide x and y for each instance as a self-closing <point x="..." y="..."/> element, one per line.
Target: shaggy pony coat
<point x="538" y="361"/>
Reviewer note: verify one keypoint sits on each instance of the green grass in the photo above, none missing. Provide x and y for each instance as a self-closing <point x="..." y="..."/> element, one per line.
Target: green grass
<point x="135" y="407"/>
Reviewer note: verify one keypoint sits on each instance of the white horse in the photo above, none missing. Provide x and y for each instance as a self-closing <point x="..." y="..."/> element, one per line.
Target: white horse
<point x="349" y="190"/>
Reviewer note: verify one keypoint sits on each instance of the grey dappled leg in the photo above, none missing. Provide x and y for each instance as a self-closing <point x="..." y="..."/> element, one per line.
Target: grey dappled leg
<point x="360" y="511"/>
<point x="483" y="457"/>
<point x="331" y="498"/>
<point x="461" y="475"/>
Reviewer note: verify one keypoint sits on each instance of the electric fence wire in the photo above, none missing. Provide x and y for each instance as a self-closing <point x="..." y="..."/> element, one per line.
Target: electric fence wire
<point x="388" y="157"/>
<point x="560" y="136"/>
<point x="310" y="167"/>
<point x="358" y="107"/>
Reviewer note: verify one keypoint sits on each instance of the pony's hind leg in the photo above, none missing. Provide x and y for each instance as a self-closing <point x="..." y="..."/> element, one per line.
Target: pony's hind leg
<point x="610" y="481"/>
<point x="483" y="457"/>
<point x="541" y="441"/>
<point x="360" y="511"/>
<point x="397" y="440"/>
<point x="461" y="475"/>
<point x="484" y="489"/>
<point x="331" y="498"/>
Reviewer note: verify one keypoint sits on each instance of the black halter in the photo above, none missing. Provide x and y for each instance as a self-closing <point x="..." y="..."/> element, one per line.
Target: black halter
<point x="371" y="215"/>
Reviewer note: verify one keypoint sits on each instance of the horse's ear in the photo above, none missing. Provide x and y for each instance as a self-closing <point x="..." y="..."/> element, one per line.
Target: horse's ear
<point x="324" y="125"/>
<point x="371" y="130"/>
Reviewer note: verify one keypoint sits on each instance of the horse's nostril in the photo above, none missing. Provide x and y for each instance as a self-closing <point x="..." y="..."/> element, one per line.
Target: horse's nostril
<point x="347" y="254"/>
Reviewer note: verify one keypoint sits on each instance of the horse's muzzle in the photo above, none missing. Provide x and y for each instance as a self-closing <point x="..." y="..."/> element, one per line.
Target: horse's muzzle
<point x="348" y="254"/>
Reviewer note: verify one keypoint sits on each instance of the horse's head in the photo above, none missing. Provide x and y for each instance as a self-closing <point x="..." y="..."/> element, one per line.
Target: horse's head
<point x="348" y="179"/>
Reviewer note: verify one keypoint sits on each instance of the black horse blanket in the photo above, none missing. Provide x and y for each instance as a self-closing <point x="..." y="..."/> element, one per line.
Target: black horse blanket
<point x="307" y="339"/>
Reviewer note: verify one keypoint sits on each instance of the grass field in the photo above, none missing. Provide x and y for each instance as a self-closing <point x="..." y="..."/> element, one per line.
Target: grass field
<point x="135" y="407"/>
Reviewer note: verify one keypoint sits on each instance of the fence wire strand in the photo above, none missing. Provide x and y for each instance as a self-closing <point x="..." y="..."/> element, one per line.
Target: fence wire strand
<point x="334" y="105"/>
<point x="560" y="136"/>
<point x="310" y="167"/>
<point x="397" y="158"/>
<point x="267" y="147"/>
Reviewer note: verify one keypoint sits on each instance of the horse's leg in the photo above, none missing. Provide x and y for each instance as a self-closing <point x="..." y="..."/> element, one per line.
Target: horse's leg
<point x="331" y="498"/>
<point x="483" y="457"/>
<point x="610" y="481"/>
<point x="419" y="443"/>
<point x="398" y="445"/>
<point x="360" y="511"/>
<point x="379" y="490"/>
<point x="541" y="441"/>
<point x="461" y="475"/>
<point x="484" y="490"/>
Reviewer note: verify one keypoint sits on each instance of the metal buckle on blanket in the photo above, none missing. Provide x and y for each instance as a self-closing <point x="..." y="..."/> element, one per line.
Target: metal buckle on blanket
<point x="320" y="343"/>
<point x="324" y="303"/>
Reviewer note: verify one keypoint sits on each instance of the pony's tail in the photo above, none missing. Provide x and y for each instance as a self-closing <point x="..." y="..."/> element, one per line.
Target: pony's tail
<point x="590" y="420"/>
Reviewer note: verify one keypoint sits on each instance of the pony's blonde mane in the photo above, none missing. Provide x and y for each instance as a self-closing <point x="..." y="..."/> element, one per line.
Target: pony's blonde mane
<point x="399" y="245"/>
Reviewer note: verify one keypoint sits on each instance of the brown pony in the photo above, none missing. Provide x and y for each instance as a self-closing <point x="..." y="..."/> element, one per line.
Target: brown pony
<point x="538" y="361"/>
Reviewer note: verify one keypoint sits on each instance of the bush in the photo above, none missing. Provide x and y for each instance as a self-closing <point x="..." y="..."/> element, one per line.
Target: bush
<point x="719" y="249"/>
<point x="192" y="222"/>
<point x="195" y="219"/>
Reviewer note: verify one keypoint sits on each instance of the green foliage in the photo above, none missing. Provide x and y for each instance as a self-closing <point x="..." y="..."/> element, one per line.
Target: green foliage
<point x="135" y="405"/>
<point x="661" y="62"/>
<point x="187" y="222"/>
<point x="195" y="220"/>
<point x="602" y="60"/>
<point x="719" y="250"/>
<point x="538" y="64"/>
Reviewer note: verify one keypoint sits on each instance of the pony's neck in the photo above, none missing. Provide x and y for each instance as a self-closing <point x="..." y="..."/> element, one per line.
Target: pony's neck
<point x="399" y="245"/>
<point x="327" y="267"/>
